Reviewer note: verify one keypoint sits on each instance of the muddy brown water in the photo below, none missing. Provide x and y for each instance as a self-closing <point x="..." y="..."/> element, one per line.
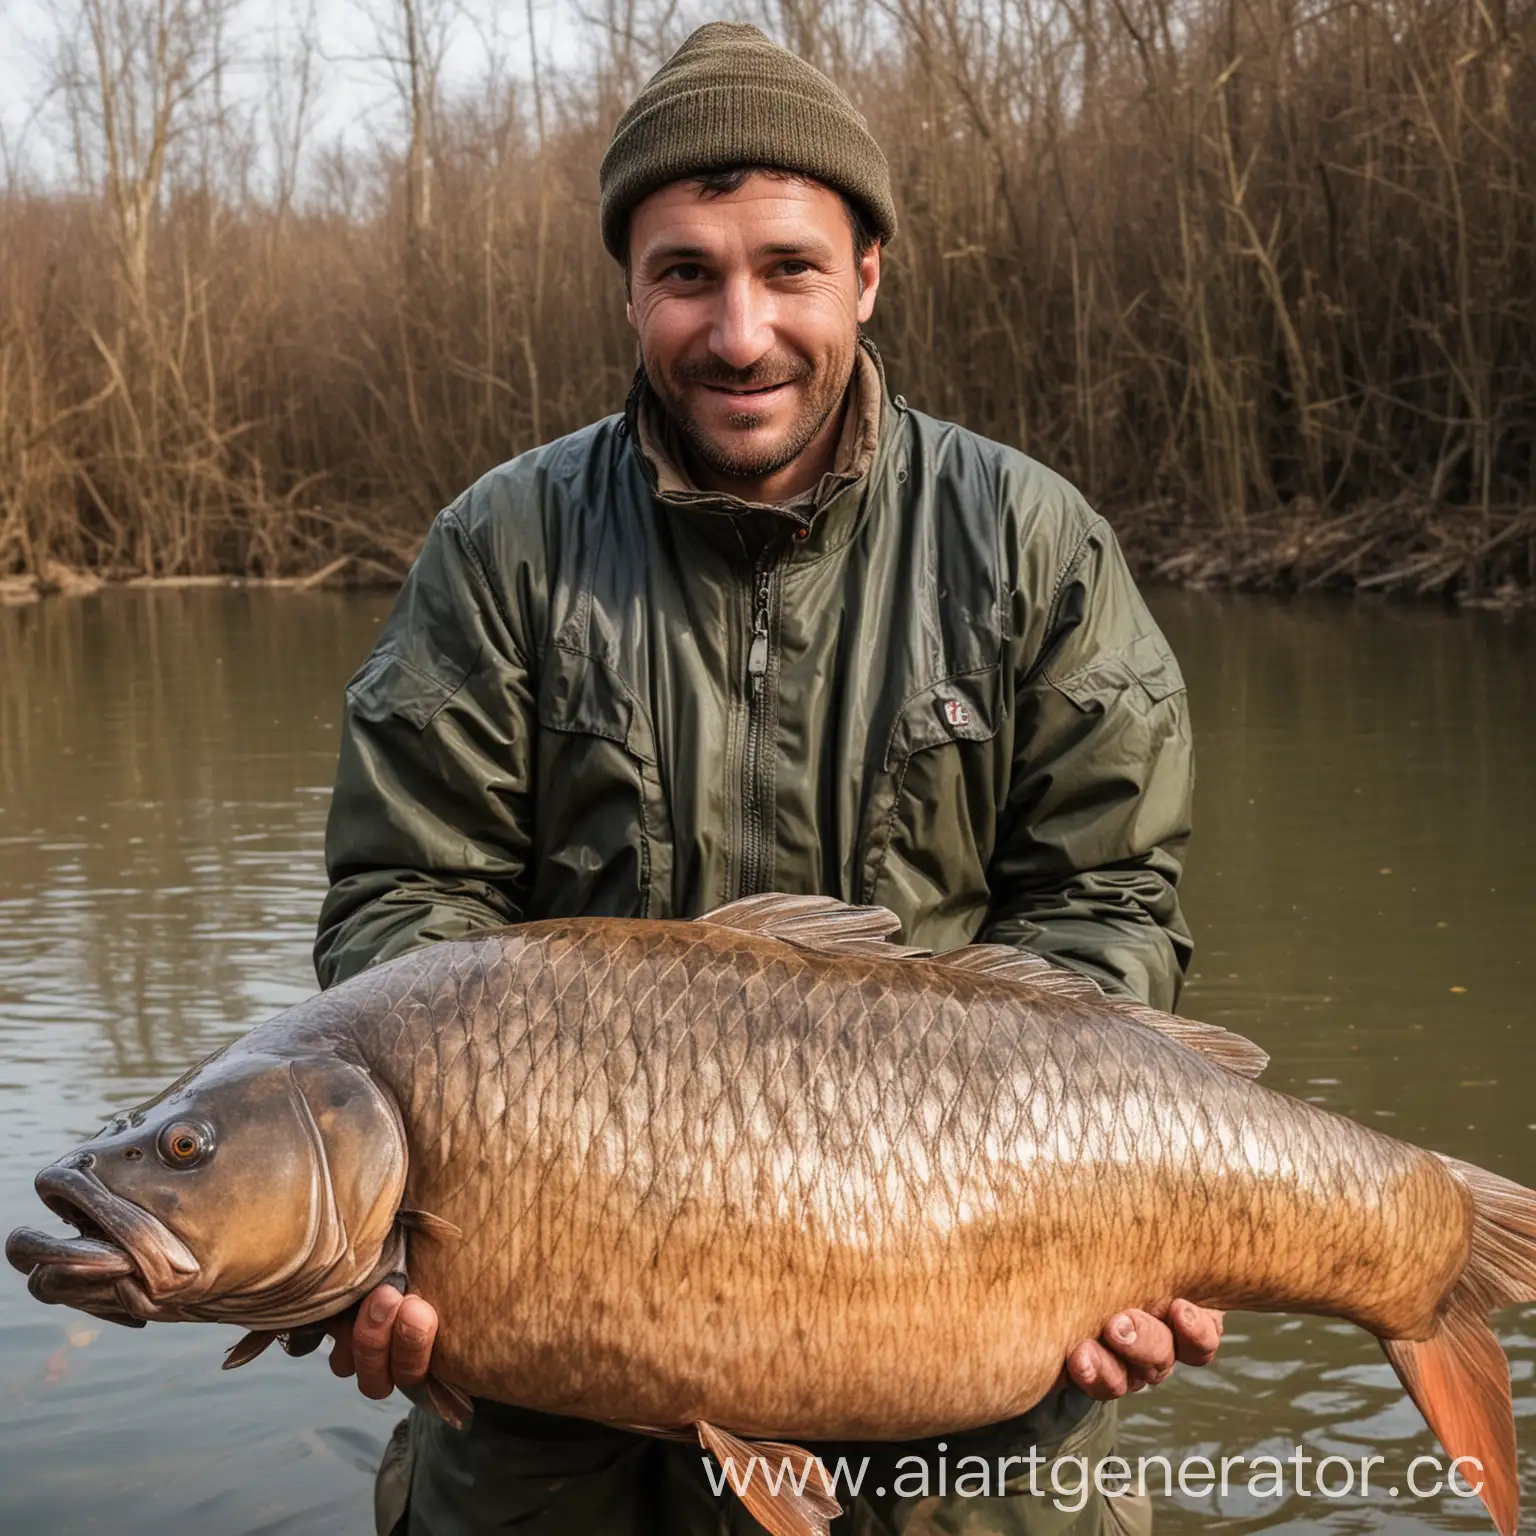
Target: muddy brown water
<point x="1363" y="889"/>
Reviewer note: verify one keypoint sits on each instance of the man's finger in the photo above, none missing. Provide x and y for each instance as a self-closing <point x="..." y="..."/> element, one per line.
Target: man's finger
<point x="1196" y="1332"/>
<point x="411" y="1351"/>
<point x="1097" y="1372"/>
<point x="372" y="1335"/>
<point x="1142" y="1342"/>
<point x="342" y="1363"/>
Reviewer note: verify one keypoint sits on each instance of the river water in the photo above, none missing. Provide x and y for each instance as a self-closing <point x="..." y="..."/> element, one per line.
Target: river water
<point x="1361" y="888"/>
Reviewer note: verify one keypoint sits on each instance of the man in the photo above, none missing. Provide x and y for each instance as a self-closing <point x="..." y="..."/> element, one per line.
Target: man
<point x="771" y="629"/>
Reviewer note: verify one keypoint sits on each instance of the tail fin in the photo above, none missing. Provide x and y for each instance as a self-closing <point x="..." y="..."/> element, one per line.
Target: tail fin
<point x="1458" y="1377"/>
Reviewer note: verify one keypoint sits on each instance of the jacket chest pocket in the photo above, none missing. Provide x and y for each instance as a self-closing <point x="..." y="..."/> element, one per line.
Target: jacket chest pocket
<point x="602" y="832"/>
<point x="930" y="818"/>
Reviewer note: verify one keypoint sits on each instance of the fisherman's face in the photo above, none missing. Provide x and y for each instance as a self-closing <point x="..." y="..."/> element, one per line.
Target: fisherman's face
<point x="747" y="305"/>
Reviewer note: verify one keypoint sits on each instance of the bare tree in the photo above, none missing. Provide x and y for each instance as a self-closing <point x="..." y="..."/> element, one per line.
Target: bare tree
<point x="138" y="77"/>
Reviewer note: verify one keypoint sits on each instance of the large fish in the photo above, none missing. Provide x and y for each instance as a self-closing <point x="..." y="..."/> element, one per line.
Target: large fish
<point x="767" y="1176"/>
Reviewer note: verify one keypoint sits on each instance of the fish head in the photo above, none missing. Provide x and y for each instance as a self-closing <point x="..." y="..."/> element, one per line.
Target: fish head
<point x="255" y="1189"/>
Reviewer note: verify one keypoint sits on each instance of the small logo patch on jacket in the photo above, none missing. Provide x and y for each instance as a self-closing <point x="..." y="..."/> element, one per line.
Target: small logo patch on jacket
<point x="956" y="713"/>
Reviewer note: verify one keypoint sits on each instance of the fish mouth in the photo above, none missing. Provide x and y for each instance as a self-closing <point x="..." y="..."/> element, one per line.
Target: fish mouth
<point x="122" y="1267"/>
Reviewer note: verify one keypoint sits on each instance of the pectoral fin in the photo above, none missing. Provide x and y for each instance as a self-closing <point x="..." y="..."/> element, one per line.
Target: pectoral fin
<point x="295" y="1341"/>
<point x="785" y="1489"/>
<point x="246" y="1349"/>
<point x="298" y="1342"/>
<point x="425" y="1224"/>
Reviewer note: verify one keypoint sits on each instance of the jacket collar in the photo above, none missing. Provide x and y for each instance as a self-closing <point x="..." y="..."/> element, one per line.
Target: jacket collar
<point x="819" y="520"/>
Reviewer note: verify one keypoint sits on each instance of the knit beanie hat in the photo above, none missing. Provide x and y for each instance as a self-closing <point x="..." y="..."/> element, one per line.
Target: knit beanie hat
<point x="729" y="98"/>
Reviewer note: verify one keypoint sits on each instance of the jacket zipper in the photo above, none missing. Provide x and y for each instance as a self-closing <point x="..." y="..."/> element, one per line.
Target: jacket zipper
<point x="755" y="786"/>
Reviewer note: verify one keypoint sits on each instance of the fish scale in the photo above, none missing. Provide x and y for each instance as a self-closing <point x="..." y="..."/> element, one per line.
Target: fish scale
<point x="704" y="1121"/>
<point x="769" y="1175"/>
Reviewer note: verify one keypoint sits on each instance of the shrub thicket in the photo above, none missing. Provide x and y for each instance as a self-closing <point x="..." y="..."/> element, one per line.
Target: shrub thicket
<point x="1258" y="274"/>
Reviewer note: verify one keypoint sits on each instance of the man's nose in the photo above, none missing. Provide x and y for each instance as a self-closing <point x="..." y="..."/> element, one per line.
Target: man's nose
<point x="743" y="328"/>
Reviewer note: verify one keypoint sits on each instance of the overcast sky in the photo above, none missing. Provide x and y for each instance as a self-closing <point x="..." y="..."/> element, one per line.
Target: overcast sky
<point x="352" y="93"/>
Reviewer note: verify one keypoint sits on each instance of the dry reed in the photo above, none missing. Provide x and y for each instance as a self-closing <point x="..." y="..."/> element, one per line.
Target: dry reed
<point x="1258" y="274"/>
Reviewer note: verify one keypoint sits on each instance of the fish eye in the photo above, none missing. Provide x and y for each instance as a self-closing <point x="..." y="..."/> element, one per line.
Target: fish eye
<point x="184" y="1143"/>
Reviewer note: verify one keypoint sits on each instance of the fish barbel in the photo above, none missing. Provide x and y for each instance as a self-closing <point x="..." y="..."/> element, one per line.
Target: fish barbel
<point x="769" y="1176"/>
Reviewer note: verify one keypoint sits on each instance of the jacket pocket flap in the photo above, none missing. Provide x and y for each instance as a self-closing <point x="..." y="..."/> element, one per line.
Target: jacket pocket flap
<point x="579" y="693"/>
<point x="963" y="708"/>
<point x="388" y="685"/>
<point x="1146" y="661"/>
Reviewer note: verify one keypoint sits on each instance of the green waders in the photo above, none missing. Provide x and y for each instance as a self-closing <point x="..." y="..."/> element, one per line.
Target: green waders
<point x="540" y="1475"/>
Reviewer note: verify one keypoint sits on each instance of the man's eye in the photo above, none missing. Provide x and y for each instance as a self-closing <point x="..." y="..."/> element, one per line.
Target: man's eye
<point x="685" y="271"/>
<point x="794" y="268"/>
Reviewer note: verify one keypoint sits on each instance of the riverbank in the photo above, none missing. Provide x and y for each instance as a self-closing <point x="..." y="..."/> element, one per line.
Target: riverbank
<point x="58" y="580"/>
<point x="1403" y="549"/>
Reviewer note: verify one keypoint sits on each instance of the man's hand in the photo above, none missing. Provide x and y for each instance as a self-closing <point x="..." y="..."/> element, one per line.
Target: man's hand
<point x="1136" y="1350"/>
<point x="388" y="1344"/>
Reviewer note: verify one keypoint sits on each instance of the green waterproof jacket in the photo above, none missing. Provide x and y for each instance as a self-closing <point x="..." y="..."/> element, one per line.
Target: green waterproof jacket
<point x="937" y="690"/>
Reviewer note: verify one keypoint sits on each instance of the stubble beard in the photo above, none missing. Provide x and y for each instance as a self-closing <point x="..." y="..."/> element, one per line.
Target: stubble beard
<point x="823" y="394"/>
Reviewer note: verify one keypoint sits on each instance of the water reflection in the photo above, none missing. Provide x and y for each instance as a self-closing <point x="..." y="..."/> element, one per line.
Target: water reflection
<point x="1365" y="845"/>
<point x="165" y="763"/>
<point x="1363" y="900"/>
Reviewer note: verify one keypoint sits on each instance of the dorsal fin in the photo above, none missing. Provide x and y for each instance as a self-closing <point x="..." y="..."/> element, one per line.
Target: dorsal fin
<point x="824" y="922"/>
<point x="1216" y="1044"/>
<point x="817" y="922"/>
<point x="1237" y="1053"/>
<point x="1009" y="964"/>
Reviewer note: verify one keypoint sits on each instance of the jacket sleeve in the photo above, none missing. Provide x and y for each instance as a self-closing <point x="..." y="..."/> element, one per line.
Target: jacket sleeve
<point x="430" y="824"/>
<point x="1091" y="839"/>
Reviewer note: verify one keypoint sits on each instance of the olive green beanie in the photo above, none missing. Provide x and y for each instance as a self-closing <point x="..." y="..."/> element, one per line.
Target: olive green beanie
<point x="729" y="98"/>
